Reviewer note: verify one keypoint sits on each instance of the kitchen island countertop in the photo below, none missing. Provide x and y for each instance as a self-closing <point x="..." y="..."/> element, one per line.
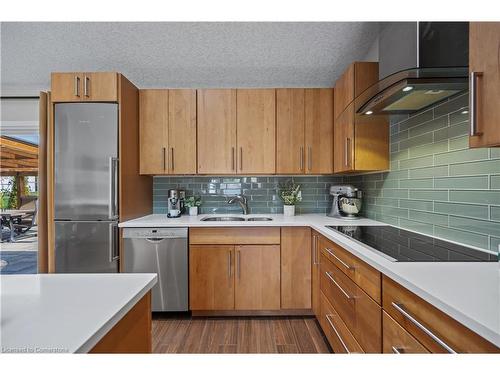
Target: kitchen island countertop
<point x="65" y="313"/>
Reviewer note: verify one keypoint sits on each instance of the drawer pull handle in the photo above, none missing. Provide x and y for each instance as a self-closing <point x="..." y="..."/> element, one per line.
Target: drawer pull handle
<point x="337" y="333"/>
<point x="330" y="251"/>
<point x="397" y="350"/>
<point x="400" y="307"/>
<point x="338" y="286"/>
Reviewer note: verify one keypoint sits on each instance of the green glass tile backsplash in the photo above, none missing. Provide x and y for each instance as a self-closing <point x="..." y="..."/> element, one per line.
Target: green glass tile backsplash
<point x="260" y="191"/>
<point x="438" y="185"/>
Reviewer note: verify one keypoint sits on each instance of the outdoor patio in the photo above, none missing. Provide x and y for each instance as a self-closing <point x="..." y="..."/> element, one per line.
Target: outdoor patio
<point x="19" y="257"/>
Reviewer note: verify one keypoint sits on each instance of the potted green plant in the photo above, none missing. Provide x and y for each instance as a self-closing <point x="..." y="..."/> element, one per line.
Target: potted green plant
<point x="193" y="203"/>
<point x="290" y="194"/>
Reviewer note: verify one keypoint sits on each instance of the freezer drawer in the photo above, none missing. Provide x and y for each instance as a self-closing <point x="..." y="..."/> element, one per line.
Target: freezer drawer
<point x="163" y="251"/>
<point x="86" y="247"/>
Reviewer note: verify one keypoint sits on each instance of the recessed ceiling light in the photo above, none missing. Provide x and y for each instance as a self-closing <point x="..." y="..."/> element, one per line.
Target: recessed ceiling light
<point x="408" y="88"/>
<point x="368" y="112"/>
<point x="464" y="112"/>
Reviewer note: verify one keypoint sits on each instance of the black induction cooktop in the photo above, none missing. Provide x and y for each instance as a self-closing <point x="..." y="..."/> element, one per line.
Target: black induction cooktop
<point x="400" y="245"/>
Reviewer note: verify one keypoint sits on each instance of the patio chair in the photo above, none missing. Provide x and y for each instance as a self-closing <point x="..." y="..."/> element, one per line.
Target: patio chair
<point x="27" y="221"/>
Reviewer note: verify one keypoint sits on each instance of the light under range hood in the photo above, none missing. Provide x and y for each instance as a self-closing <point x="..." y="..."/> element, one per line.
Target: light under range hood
<point x="421" y="64"/>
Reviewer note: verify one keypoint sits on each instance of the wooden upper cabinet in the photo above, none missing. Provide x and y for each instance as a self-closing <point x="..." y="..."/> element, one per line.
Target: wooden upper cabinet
<point x="216" y="138"/>
<point x="182" y="131"/>
<point x="66" y="87"/>
<point x="153" y="131"/>
<point x="167" y="121"/>
<point x="257" y="277"/>
<point x="211" y="277"/>
<point x="256" y="131"/>
<point x="361" y="142"/>
<point x="81" y="86"/>
<point x="290" y="152"/>
<point x="356" y="79"/>
<point x="296" y="268"/>
<point x="100" y="87"/>
<point x="319" y="131"/>
<point x="484" y="68"/>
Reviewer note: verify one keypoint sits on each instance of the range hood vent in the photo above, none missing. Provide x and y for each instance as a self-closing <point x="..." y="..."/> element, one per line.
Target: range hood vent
<point x="421" y="64"/>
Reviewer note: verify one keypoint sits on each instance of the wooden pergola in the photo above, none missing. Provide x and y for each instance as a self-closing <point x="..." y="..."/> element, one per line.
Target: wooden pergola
<point x="18" y="159"/>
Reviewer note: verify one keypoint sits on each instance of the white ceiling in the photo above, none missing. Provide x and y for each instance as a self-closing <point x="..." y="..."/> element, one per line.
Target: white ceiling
<point x="184" y="54"/>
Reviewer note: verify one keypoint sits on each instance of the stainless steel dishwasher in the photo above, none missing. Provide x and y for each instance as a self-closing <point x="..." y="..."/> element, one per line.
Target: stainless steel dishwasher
<point x="163" y="251"/>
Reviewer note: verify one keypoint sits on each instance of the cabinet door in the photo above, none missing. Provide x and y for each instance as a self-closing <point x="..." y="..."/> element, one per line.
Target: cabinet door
<point x="66" y="87"/>
<point x="319" y="131"/>
<point x="257" y="277"/>
<point x="315" y="290"/>
<point x="256" y="119"/>
<point x="397" y="340"/>
<point x="337" y="333"/>
<point x="484" y="62"/>
<point x="344" y="91"/>
<point x="217" y="131"/>
<point x="295" y="268"/>
<point x="211" y="277"/>
<point x="153" y="131"/>
<point x="343" y="149"/>
<point x="290" y="155"/>
<point x="182" y="131"/>
<point x="100" y="87"/>
<point x="370" y="145"/>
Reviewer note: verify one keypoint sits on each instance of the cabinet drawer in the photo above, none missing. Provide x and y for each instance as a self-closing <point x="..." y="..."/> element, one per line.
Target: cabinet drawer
<point x="337" y="333"/>
<point x="235" y="236"/>
<point x="365" y="276"/>
<point x="359" y="312"/>
<point x="434" y="329"/>
<point x="397" y="340"/>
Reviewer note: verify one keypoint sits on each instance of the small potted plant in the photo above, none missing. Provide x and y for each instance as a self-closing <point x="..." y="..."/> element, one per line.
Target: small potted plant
<point x="193" y="203"/>
<point x="290" y="195"/>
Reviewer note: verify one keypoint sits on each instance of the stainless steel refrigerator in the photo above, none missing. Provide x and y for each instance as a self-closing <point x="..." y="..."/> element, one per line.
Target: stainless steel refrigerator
<point x="86" y="187"/>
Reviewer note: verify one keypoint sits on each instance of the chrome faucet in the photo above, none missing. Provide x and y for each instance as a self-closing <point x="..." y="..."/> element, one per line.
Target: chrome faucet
<point x="242" y="201"/>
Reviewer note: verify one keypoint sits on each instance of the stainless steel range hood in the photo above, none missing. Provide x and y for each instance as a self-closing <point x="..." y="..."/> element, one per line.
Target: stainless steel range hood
<point x="421" y="64"/>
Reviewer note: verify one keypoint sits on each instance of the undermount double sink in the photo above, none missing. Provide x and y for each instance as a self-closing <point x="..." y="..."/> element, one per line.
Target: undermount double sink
<point x="236" y="218"/>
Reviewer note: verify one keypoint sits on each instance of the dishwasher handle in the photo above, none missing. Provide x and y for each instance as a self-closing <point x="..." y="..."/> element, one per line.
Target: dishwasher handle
<point x="155" y="240"/>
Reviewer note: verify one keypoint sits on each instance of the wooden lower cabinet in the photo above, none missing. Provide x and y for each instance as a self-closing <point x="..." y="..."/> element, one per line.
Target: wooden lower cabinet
<point x="296" y="268"/>
<point x="257" y="277"/>
<point x="359" y="312"/>
<point x="211" y="277"/>
<point x="365" y="276"/>
<point x="397" y="340"/>
<point x="132" y="333"/>
<point x="234" y="277"/>
<point x="337" y="333"/>
<point x="434" y="329"/>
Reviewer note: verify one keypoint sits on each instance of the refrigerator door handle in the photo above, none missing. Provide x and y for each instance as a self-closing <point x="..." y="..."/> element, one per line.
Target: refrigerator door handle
<point x="113" y="242"/>
<point x="113" y="188"/>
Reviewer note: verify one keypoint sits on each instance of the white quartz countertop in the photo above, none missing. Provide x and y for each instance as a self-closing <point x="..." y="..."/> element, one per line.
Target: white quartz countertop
<point x="65" y="313"/>
<point x="468" y="292"/>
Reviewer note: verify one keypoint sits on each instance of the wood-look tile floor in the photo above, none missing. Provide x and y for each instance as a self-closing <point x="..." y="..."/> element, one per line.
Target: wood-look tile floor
<point x="238" y="335"/>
